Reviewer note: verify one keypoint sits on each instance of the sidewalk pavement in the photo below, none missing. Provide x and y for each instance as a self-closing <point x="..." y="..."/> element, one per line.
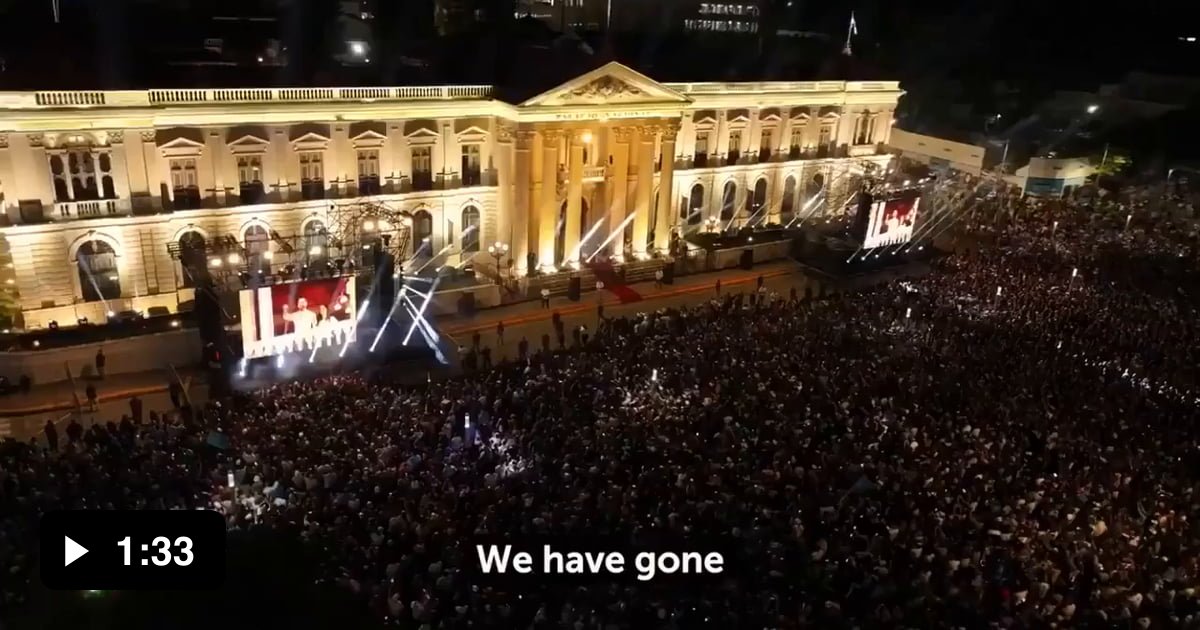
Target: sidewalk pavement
<point x="532" y="311"/>
<point x="22" y="415"/>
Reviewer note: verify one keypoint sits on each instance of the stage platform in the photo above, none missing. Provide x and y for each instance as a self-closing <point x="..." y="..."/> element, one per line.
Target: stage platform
<point x="414" y="361"/>
<point x="828" y="251"/>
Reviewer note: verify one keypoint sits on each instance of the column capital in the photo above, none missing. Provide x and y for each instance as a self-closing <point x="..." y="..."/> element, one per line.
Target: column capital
<point x="3" y="141"/>
<point x="578" y="137"/>
<point x="623" y="133"/>
<point x="524" y="139"/>
<point x="670" y="131"/>
<point x="552" y="133"/>
<point x="505" y="132"/>
<point x="647" y="132"/>
<point x="148" y="135"/>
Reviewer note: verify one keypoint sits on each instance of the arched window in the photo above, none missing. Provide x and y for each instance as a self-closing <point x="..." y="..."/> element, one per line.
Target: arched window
<point x="192" y="257"/>
<point x="696" y="211"/>
<point x="316" y="241"/>
<point x="758" y="202"/>
<point x="316" y="237"/>
<point x="98" y="276"/>
<point x="257" y="242"/>
<point x="787" y="206"/>
<point x="422" y="229"/>
<point x="470" y="229"/>
<point x="727" y="200"/>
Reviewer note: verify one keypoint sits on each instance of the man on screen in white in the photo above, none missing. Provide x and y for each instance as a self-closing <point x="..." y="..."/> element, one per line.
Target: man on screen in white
<point x="304" y="321"/>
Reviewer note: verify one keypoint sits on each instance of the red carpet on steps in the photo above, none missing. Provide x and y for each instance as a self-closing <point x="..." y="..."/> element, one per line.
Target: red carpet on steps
<point x="604" y="273"/>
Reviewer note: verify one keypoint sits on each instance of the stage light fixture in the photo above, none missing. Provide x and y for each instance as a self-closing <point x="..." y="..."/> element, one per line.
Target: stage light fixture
<point x="234" y="259"/>
<point x="369" y="226"/>
<point x="315" y="250"/>
<point x="268" y="255"/>
<point x="214" y="262"/>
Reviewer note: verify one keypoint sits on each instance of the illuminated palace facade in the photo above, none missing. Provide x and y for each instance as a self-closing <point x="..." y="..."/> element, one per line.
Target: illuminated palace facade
<point x="100" y="190"/>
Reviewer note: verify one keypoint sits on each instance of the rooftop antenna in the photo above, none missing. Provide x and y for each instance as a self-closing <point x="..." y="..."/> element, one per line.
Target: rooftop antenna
<point x="850" y="33"/>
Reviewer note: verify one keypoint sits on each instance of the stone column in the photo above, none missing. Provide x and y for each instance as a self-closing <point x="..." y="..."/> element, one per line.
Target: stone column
<point x="520" y="222"/>
<point x="720" y="144"/>
<point x="574" y="199"/>
<point x="645" y="189"/>
<point x="618" y="183"/>
<point x="505" y="228"/>
<point x="547" y="212"/>
<point x="666" y="188"/>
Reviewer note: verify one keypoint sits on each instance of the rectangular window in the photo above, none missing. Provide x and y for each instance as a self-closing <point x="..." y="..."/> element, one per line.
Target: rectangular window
<point x="185" y="183"/>
<point x="735" y="146"/>
<point x="825" y="137"/>
<point x="422" y="167"/>
<point x="368" y="172"/>
<point x="312" y="175"/>
<point x="701" y="156"/>
<point x="250" y="178"/>
<point x="765" y="147"/>
<point x="470" y="165"/>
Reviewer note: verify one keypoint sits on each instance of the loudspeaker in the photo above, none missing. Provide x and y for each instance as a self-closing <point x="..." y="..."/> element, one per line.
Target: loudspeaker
<point x="216" y="354"/>
<point x="668" y="274"/>
<point x="573" y="289"/>
<point x="385" y="285"/>
<point x="466" y="304"/>
<point x="862" y="217"/>
<point x="747" y="259"/>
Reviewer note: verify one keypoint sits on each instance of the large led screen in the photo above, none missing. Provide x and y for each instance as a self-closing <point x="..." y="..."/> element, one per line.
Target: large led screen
<point x="891" y="222"/>
<point x="297" y="316"/>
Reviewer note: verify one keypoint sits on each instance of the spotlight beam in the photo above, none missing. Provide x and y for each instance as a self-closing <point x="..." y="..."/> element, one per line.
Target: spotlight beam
<point x="386" y="320"/>
<point x="420" y="314"/>
<point x="620" y="229"/>
<point x="579" y="246"/>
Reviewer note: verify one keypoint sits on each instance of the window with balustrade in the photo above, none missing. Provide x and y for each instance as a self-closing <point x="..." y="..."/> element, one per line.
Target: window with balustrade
<point x="312" y="175"/>
<point x="471" y="165"/>
<point x="185" y="184"/>
<point x="700" y="158"/>
<point x="765" y="144"/>
<point x="368" y="172"/>
<point x="735" y="147"/>
<point x="796" y="144"/>
<point x="82" y="174"/>
<point x="422" y="168"/>
<point x="250" y="182"/>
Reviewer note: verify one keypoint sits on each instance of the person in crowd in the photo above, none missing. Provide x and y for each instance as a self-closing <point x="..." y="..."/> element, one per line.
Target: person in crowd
<point x="101" y="361"/>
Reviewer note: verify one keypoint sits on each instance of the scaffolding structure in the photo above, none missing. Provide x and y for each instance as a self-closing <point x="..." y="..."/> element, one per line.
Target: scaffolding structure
<point x="352" y="235"/>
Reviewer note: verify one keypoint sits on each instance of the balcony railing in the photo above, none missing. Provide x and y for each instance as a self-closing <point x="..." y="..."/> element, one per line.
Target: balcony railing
<point x="91" y="209"/>
<point x="593" y="173"/>
<point x="158" y="98"/>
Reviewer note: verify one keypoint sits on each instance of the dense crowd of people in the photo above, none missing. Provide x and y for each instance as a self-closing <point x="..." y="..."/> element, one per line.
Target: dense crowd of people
<point x="1010" y="439"/>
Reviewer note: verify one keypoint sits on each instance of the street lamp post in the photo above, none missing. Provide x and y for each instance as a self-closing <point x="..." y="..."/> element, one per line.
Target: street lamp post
<point x="498" y="250"/>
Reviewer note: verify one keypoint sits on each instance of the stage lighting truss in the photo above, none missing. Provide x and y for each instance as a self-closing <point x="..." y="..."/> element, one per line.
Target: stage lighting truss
<point x="354" y="230"/>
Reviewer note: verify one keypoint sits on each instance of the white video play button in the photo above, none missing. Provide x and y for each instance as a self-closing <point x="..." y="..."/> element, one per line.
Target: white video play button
<point x="72" y="551"/>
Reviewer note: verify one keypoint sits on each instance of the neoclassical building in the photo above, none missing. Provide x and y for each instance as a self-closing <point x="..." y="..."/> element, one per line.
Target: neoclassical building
<point x="101" y="191"/>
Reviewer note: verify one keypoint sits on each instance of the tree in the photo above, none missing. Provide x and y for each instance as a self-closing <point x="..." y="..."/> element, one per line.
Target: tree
<point x="1111" y="162"/>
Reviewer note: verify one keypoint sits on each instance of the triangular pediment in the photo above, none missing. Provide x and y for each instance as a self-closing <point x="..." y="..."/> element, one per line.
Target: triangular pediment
<point x="182" y="143"/>
<point x="369" y="134"/>
<point x="248" y="139"/>
<point x="610" y="84"/>
<point x="310" y="137"/>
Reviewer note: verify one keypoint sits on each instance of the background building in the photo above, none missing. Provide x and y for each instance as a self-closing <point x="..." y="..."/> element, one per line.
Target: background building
<point x="104" y="192"/>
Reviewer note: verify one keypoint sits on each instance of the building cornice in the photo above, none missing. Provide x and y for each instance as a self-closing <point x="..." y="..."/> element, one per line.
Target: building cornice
<point x="34" y="112"/>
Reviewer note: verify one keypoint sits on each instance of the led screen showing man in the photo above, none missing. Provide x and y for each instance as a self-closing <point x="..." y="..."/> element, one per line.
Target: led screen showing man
<point x="298" y="316"/>
<point x="891" y="222"/>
